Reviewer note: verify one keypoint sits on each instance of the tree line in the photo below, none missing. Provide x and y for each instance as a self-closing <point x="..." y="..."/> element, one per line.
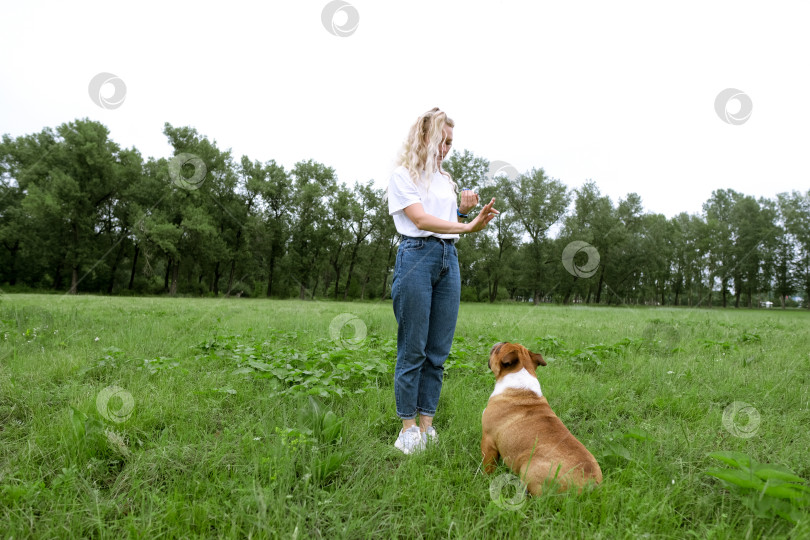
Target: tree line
<point x="78" y="213"/>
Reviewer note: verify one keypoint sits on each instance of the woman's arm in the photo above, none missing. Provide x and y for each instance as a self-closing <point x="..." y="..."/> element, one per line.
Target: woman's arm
<point x="427" y="222"/>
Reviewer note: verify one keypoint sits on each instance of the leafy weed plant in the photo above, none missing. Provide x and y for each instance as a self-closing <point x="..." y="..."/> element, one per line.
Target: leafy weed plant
<point x="767" y="490"/>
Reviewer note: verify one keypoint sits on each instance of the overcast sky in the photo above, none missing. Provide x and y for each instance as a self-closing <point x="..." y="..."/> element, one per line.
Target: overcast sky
<point x="621" y="93"/>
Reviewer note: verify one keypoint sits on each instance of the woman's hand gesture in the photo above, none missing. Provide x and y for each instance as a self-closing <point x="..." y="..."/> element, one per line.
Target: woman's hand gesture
<point x="483" y="218"/>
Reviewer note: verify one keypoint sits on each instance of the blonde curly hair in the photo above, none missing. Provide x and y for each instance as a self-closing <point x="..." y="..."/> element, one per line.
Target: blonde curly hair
<point x="421" y="149"/>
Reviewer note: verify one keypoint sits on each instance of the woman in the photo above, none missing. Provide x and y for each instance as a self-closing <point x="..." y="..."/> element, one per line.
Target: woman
<point x="426" y="290"/>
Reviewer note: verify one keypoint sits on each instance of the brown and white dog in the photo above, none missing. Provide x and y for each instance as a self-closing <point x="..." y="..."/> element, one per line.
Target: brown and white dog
<point x="520" y="427"/>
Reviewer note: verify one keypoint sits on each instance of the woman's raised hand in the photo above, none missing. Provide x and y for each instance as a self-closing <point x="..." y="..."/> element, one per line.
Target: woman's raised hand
<point x="484" y="217"/>
<point x="469" y="200"/>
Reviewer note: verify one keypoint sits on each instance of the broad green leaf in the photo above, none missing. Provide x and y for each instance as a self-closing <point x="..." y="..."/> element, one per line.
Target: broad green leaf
<point x="319" y="391"/>
<point x="787" y="491"/>
<point x="761" y="506"/>
<point x="737" y="477"/>
<point x="638" y="434"/>
<point x="735" y="459"/>
<point x="779" y="472"/>
<point x="616" y="449"/>
<point x="791" y="513"/>
<point x="331" y="427"/>
<point x="261" y="366"/>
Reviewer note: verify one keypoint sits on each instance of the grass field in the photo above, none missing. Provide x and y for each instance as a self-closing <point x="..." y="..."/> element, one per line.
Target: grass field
<point x="158" y="417"/>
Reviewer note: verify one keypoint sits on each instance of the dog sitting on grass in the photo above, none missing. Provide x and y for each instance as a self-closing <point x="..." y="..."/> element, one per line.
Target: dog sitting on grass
<point x="520" y="427"/>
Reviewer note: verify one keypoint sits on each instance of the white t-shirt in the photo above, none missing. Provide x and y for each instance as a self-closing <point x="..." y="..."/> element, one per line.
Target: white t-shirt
<point x="438" y="200"/>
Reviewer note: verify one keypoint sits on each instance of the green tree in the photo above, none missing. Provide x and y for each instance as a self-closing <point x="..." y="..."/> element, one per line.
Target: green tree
<point x="475" y="251"/>
<point x="626" y="258"/>
<point x="384" y="242"/>
<point x="70" y="179"/>
<point x="783" y="264"/>
<point x="194" y="233"/>
<point x="13" y="220"/>
<point x="794" y="208"/>
<point x="686" y="258"/>
<point x="337" y="220"/>
<point x="538" y="202"/>
<point x="752" y="232"/>
<point x="719" y="241"/>
<point x="275" y="190"/>
<point x="118" y="221"/>
<point x="658" y="249"/>
<point x="312" y="183"/>
<point x="594" y="221"/>
<point x="504" y="231"/>
<point x="364" y="206"/>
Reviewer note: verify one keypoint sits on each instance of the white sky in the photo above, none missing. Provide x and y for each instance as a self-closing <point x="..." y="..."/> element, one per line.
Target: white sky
<point x="618" y="92"/>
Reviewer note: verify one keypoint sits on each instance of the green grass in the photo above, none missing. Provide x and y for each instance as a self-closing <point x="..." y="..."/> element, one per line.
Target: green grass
<point x="224" y="441"/>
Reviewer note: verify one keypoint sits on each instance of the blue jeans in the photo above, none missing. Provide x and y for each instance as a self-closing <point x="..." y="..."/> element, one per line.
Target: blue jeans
<point x="426" y="292"/>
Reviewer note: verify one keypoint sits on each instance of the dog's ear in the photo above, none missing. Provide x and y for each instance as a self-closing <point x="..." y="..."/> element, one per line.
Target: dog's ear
<point x="494" y="366"/>
<point x="537" y="359"/>
<point x="503" y="362"/>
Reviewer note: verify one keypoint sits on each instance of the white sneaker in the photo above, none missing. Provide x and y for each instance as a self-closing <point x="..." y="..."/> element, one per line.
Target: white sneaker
<point x="410" y="440"/>
<point x="430" y="435"/>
